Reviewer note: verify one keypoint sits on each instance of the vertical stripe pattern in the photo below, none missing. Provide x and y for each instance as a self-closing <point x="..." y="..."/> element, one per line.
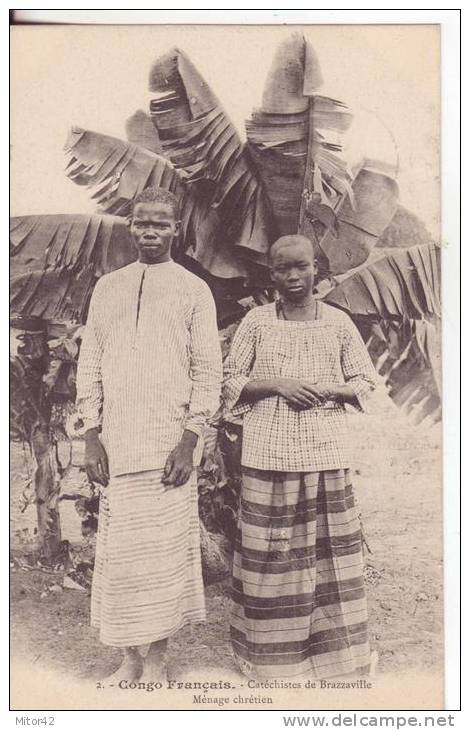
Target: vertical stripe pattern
<point x="150" y="364"/>
<point x="299" y="601"/>
<point x="147" y="581"/>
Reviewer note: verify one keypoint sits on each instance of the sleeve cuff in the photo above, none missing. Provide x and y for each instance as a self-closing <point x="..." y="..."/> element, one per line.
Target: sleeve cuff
<point x="196" y="428"/>
<point x="81" y="425"/>
<point x="233" y="389"/>
<point x="364" y="393"/>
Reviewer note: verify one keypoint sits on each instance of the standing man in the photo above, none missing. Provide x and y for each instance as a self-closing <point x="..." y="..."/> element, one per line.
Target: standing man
<point x="148" y="378"/>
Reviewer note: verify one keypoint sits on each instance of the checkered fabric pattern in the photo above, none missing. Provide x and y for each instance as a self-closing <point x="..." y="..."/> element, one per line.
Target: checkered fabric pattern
<point x="328" y="350"/>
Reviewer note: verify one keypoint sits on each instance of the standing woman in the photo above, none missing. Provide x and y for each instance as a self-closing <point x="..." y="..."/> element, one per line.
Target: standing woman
<point x="298" y="587"/>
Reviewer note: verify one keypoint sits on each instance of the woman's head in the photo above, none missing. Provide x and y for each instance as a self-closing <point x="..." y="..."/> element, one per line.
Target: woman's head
<point x="293" y="267"/>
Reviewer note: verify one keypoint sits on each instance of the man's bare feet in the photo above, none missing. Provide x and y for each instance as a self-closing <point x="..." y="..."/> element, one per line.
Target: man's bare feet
<point x="131" y="669"/>
<point x="155" y="669"/>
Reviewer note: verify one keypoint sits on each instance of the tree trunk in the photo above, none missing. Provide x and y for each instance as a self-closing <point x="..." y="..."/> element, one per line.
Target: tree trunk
<point x="34" y="352"/>
<point x="49" y="535"/>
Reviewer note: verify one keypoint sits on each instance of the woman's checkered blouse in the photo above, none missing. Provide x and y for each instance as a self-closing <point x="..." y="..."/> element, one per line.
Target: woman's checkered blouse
<point x="328" y="350"/>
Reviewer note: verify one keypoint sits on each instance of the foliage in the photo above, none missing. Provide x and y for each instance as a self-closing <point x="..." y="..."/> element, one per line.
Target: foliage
<point x="42" y="375"/>
<point x="403" y="284"/>
<point x="56" y="260"/>
<point x="236" y="199"/>
<point x="295" y="141"/>
<point x="406" y="353"/>
<point x="290" y="177"/>
<point x="232" y="216"/>
<point x="28" y="361"/>
<point x="117" y="170"/>
<point x="404" y="230"/>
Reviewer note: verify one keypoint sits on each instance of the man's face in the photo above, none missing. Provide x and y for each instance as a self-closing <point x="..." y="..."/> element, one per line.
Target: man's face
<point x="153" y="227"/>
<point x="293" y="271"/>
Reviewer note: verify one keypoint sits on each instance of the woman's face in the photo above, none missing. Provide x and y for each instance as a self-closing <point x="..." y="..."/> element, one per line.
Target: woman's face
<point x="293" y="271"/>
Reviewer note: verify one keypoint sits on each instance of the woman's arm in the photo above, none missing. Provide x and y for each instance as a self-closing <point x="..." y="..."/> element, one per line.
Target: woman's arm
<point x="358" y="370"/>
<point x="238" y="365"/>
<point x="338" y="393"/>
<point x="298" y="393"/>
<point x="255" y="390"/>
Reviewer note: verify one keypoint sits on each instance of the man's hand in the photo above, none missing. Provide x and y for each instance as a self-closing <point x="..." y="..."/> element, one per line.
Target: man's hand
<point x="179" y="464"/>
<point x="96" y="459"/>
<point x="300" y="393"/>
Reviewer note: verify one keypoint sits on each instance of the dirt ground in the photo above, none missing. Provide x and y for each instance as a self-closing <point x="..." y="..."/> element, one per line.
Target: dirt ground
<point x="398" y="485"/>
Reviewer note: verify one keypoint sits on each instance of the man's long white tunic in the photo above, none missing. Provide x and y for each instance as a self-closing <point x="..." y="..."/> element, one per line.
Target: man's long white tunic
<point x="150" y="362"/>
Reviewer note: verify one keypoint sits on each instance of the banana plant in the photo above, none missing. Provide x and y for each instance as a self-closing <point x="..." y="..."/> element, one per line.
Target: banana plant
<point x="289" y="176"/>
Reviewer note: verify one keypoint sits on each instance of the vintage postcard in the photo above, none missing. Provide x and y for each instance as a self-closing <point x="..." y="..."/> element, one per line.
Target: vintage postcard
<point x="226" y="423"/>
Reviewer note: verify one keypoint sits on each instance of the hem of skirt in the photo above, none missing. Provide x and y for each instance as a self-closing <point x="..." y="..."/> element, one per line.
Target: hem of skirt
<point x="201" y="618"/>
<point x="254" y="671"/>
<point x="299" y="469"/>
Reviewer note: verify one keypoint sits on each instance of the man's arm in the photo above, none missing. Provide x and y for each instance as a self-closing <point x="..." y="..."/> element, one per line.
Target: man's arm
<point x="90" y="392"/>
<point x="206" y="376"/>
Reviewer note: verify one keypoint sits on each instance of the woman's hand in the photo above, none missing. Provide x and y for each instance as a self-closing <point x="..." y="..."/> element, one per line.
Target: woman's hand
<point x="96" y="459"/>
<point x="335" y="392"/>
<point x="300" y="393"/>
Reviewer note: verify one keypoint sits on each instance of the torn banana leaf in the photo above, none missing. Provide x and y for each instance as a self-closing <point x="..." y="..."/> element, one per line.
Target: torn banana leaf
<point x="403" y="284"/>
<point x="203" y="145"/>
<point x="295" y="140"/>
<point x="359" y="227"/>
<point x="117" y="171"/>
<point x="141" y="131"/>
<point x="55" y="261"/>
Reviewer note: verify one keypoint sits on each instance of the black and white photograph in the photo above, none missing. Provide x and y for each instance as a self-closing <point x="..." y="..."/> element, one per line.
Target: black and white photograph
<point x="226" y="367"/>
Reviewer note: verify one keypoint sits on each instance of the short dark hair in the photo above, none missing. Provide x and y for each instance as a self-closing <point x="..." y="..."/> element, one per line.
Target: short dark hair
<point x="156" y="195"/>
<point x="291" y="240"/>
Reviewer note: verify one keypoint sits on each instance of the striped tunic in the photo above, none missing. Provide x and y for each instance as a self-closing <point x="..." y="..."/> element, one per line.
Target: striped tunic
<point x="150" y="362"/>
<point x="149" y="367"/>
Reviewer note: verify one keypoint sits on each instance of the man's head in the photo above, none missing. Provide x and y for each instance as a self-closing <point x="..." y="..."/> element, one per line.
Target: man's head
<point x="293" y="267"/>
<point x="154" y="223"/>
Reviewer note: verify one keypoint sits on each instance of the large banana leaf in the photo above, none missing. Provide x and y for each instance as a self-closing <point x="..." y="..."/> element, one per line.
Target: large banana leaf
<point x="404" y="230"/>
<point x="294" y="137"/>
<point x="359" y="226"/>
<point x="56" y="259"/>
<point x="118" y="171"/>
<point x="403" y="284"/>
<point x="140" y="130"/>
<point x="406" y="353"/>
<point x="295" y="140"/>
<point x="204" y="146"/>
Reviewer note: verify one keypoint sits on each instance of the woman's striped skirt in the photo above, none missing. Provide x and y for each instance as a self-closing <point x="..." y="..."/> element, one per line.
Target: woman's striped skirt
<point x="147" y="581"/>
<point x="298" y="587"/>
